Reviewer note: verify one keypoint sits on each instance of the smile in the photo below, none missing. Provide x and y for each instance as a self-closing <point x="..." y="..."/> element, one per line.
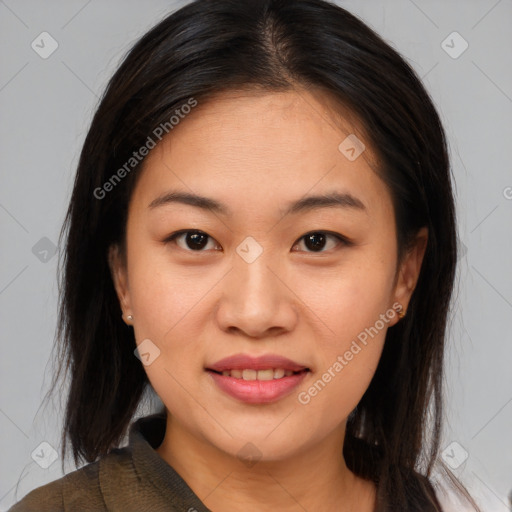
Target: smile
<point x="257" y="379"/>
<point x="250" y="374"/>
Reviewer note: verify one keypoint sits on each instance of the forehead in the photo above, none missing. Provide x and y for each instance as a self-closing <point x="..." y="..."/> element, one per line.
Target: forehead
<point x="292" y="121"/>
<point x="251" y="148"/>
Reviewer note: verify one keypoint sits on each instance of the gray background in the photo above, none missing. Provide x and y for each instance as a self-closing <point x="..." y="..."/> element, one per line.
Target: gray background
<point x="46" y="106"/>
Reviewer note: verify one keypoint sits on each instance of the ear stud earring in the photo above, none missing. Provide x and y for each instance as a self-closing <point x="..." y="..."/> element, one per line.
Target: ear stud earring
<point x="130" y="317"/>
<point x="401" y="314"/>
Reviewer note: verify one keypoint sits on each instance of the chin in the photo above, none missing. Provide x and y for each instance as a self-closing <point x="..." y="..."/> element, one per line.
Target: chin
<point x="257" y="444"/>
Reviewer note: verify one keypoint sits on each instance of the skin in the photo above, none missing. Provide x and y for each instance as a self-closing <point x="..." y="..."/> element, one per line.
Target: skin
<point x="256" y="153"/>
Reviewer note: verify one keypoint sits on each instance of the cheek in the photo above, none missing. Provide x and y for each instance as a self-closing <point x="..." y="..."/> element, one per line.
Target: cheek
<point x="352" y="306"/>
<point x="348" y="298"/>
<point x="167" y="304"/>
<point x="164" y="296"/>
<point x="347" y="357"/>
<point x="336" y="389"/>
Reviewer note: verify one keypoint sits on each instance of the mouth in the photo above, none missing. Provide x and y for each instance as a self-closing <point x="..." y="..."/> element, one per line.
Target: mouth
<point x="249" y="374"/>
<point x="257" y="380"/>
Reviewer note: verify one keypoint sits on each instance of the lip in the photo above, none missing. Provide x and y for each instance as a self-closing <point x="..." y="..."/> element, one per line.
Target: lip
<point x="257" y="391"/>
<point x="245" y="361"/>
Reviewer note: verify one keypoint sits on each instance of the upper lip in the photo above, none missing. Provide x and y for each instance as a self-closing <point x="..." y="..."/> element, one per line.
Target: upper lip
<point x="264" y="362"/>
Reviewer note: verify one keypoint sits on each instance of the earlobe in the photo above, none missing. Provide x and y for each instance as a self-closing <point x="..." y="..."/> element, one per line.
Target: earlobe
<point x="410" y="268"/>
<point x="119" y="278"/>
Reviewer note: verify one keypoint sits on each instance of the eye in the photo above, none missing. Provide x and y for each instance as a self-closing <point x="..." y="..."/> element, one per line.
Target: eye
<point x="321" y="241"/>
<point x="192" y="240"/>
<point x="197" y="241"/>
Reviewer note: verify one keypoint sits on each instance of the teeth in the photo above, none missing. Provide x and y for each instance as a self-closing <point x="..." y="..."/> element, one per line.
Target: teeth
<point x="265" y="374"/>
<point x="248" y="374"/>
<point x="278" y="373"/>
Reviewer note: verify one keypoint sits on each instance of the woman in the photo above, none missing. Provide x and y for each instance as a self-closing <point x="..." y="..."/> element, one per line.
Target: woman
<point x="262" y="231"/>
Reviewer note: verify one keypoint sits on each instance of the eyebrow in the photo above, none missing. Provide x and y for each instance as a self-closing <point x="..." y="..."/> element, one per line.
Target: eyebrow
<point x="308" y="203"/>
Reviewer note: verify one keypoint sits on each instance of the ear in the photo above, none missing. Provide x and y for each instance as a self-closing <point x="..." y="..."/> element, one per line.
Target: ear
<point x="409" y="271"/>
<point x="120" y="279"/>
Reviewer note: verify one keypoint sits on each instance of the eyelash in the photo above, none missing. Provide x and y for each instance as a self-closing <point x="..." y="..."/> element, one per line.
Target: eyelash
<point x="341" y="239"/>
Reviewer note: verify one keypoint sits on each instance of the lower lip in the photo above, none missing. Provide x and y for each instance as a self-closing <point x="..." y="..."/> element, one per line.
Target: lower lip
<point x="258" y="391"/>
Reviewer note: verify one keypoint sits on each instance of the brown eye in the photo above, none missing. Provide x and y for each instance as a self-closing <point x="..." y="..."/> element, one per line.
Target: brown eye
<point x="320" y="241"/>
<point x="192" y="240"/>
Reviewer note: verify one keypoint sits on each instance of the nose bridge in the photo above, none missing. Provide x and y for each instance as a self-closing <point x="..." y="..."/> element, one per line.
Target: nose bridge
<point x="256" y="281"/>
<point x="255" y="300"/>
<point x="256" y="291"/>
<point x="251" y="267"/>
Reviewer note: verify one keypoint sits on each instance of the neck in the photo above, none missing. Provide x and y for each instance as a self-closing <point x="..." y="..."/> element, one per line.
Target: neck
<point x="317" y="478"/>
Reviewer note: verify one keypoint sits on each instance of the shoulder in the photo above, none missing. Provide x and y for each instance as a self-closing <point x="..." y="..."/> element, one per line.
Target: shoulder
<point x="45" y="498"/>
<point x="79" y="490"/>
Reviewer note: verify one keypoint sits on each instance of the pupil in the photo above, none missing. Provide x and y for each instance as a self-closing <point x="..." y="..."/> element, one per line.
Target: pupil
<point x="196" y="240"/>
<point x="315" y="241"/>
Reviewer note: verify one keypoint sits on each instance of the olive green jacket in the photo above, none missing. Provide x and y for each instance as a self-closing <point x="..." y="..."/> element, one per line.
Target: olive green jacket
<point x="132" y="478"/>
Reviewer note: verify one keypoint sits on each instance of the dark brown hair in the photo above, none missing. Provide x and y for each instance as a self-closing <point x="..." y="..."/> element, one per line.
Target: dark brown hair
<point x="203" y="49"/>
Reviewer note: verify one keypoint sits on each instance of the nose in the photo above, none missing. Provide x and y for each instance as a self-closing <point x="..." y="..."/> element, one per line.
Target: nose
<point x="256" y="300"/>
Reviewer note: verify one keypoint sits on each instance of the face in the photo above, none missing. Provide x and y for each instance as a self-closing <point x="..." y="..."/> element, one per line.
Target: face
<point x="264" y="267"/>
